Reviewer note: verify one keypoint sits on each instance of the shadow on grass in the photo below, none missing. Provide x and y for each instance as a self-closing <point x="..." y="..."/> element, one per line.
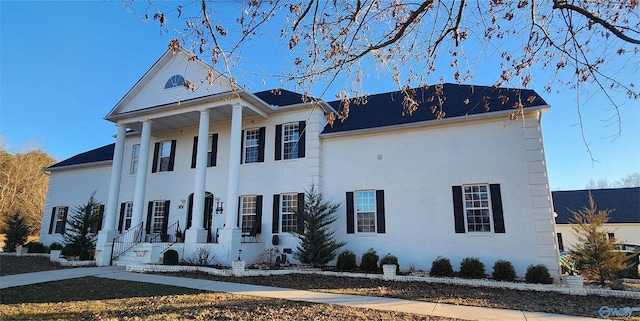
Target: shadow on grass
<point x="10" y="265"/>
<point x="88" y="288"/>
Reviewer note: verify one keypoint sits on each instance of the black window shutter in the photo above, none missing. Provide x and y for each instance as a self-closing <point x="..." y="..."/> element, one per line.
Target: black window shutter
<point x="149" y="211"/>
<point x="121" y="222"/>
<point x="64" y="220"/>
<point x="458" y="210"/>
<point x="190" y="211"/>
<point x="214" y="151"/>
<point x="278" y="146"/>
<point x="53" y="219"/>
<point x="194" y="152"/>
<point x="239" y="224"/>
<point x="496" y="208"/>
<point x="350" y="213"/>
<point x="172" y="156"/>
<point x="380" y="212"/>
<point x="100" y="217"/>
<point x="242" y="147"/>
<point x="301" y="138"/>
<point x="156" y="151"/>
<point x="258" y="220"/>
<point x="165" y="220"/>
<point x="300" y="210"/>
<point x="275" y="216"/>
<point x="261" y="138"/>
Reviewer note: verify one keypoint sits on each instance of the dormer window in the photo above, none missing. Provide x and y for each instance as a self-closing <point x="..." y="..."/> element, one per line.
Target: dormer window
<point x="174" y="81"/>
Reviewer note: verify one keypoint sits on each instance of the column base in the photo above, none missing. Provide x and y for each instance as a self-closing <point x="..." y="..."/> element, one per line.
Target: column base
<point x="196" y="236"/>
<point x="104" y="246"/>
<point x="231" y="239"/>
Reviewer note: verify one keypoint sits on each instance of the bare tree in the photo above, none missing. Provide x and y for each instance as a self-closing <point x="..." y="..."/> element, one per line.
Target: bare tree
<point x="631" y="180"/>
<point x="23" y="185"/>
<point x="586" y="44"/>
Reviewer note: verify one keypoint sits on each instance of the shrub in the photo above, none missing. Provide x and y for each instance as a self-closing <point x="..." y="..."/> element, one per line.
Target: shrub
<point x="55" y="246"/>
<point x="70" y="250"/>
<point x="538" y="274"/>
<point x="170" y="257"/>
<point x="472" y="268"/>
<point x="15" y="230"/>
<point x="390" y="259"/>
<point x="346" y="261"/>
<point x="504" y="271"/>
<point x="441" y="266"/>
<point x="36" y="247"/>
<point x="85" y="255"/>
<point x="369" y="262"/>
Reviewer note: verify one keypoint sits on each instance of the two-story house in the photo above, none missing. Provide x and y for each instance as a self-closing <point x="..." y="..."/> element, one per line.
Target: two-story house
<point x="445" y="173"/>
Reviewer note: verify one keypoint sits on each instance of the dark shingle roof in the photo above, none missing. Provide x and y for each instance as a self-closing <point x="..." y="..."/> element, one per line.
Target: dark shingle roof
<point x="625" y="201"/>
<point x="281" y="97"/>
<point x="104" y="153"/>
<point x="457" y="100"/>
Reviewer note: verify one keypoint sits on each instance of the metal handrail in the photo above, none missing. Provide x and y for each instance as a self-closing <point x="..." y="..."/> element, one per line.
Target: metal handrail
<point x="125" y="241"/>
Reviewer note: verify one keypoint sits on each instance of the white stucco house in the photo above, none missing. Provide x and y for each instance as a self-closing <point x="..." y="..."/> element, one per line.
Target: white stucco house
<point x="230" y="167"/>
<point x="624" y="220"/>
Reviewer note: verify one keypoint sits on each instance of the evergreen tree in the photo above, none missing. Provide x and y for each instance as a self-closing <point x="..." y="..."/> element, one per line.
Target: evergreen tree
<point x="78" y="232"/>
<point x="16" y="232"/>
<point x="317" y="244"/>
<point x="594" y="253"/>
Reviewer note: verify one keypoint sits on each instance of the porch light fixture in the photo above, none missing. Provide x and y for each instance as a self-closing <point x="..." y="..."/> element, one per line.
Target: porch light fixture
<point x="219" y="208"/>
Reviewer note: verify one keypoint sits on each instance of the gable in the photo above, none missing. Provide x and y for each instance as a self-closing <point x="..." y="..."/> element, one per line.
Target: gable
<point x="150" y="90"/>
<point x="624" y="201"/>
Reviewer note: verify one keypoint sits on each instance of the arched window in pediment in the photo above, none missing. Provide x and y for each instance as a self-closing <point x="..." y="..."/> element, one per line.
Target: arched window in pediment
<point x="174" y="81"/>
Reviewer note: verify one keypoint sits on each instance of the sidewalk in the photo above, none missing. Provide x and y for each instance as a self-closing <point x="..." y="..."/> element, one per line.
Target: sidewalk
<point x="417" y="307"/>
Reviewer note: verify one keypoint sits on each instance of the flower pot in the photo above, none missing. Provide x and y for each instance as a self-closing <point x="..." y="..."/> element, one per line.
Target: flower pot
<point x="389" y="271"/>
<point x="574" y="281"/>
<point x="237" y="268"/>
<point x="54" y="255"/>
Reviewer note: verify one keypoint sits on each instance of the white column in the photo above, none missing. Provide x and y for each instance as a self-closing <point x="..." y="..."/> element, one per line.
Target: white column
<point x="196" y="233"/>
<point x="234" y="168"/>
<point x="141" y="175"/>
<point x="109" y="232"/>
<point x="114" y="184"/>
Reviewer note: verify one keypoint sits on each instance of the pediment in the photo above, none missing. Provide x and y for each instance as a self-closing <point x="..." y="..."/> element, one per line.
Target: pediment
<point x="161" y="84"/>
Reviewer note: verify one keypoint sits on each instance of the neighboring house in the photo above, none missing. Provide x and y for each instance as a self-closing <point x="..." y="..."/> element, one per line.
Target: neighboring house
<point x="624" y="220"/>
<point x="231" y="168"/>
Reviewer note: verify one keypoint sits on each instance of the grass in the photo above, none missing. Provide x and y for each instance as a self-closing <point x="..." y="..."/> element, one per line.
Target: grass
<point x="10" y="264"/>
<point x="106" y="299"/>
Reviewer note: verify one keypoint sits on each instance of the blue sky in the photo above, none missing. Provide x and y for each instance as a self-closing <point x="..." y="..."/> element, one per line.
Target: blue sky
<point x="64" y="65"/>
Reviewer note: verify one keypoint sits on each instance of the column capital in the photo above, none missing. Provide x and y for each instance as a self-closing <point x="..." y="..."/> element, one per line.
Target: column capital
<point x="204" y="109"/>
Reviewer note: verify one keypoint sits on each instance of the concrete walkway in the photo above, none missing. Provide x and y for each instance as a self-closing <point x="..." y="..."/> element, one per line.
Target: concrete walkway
<point x="418" y="307"/>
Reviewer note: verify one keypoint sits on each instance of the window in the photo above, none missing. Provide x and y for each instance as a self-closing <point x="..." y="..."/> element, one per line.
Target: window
<point x="611" y="236"/>
<point x="248" y="214"/>
<point x="290" y="141"/>
<point x="126" y="216"/>
<point x="288" y="206"/>
<point x="164" y="156"/>
<point x="212" y="150"/>
<point x="135" y="155"/>
<point x="157" y="218"/>
<point x="58" y="219"/>
<point x="560" y="242"/>
<point x="366" y="212"/>
<point x="251" y="145"/>
<point x="174" y="81"/>
<point x="96" y="214"/>
<point x="477" y="208"/>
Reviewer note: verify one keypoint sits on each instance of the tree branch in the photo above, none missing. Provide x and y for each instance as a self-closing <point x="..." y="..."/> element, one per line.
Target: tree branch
<point x="562" y="4"/>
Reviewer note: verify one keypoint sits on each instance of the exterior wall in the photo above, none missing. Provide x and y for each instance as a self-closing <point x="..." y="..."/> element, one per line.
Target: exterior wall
<point x="417" y="168"/>
<point x="73" y="187"/>
<point x="627" y="233"/>
<point x="266" y="178"/>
